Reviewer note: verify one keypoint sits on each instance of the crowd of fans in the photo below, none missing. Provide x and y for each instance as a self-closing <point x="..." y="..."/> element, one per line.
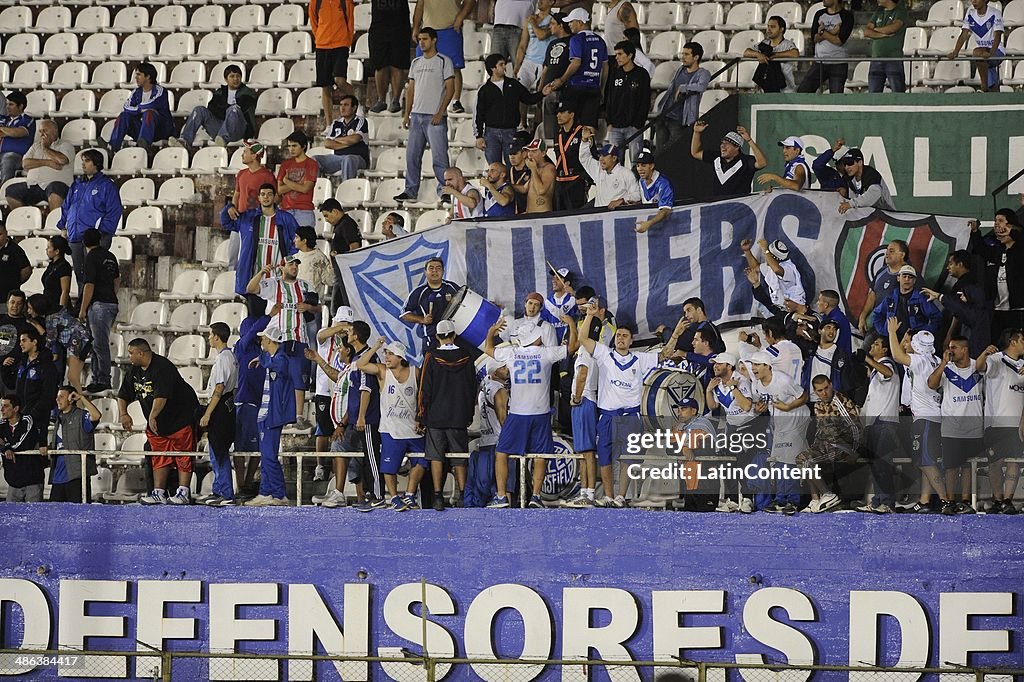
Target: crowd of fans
<point x="369" y="399"/>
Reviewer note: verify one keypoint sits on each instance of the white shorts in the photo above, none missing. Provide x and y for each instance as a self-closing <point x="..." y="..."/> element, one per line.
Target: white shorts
<point x="529" y="74"/>
<point x="786" y="445"/>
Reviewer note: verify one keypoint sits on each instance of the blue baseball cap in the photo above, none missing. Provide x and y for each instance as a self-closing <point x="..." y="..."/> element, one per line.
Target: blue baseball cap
<point x="608" y="150"/>
<point x="687" y="402"/>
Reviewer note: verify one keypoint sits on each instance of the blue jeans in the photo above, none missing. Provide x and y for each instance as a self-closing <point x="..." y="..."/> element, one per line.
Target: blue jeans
<point x="421" y="131"/>
<point x="344" y="166"/>
<point x="101" y="318"/>
<point x="271" y="473"/>
<point x="617" y="137"/>
<point x="302" y="216"/>
<point x="496" y="144"/>
<point x="879" y="72"/>
<point x="232" y="128"/>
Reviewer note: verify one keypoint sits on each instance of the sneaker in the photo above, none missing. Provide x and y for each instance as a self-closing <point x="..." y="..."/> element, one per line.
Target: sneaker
<point x="906" y="503"/>
<point x="363" y="506"/>
<point x="965" y="508"/>
<point x="746" y="506"/>
<point x="1008" y="508"/>
<point x="813" y="508"/>
<point x="302" y="424"/>
<point x="319" y="499"/>
<point x="225" y="502"/>
<point x="438" y="502"/>
<point x="457" y="107"/>
<point x="377" y="503"/>
<point x="498" y="503"/>
<point x="97" y="387"/>
<point x="334" y="499"/>
<point x="996" y="507"/>
<point x="579" y="502"/>
<point x="604" y="502"/>
<point x="398" y="503"/>
<point x="259" y="501"/>
<point x="727" y="506"/>
<point x="535" y="503"/>
<point x="154" y="497"/>
<point x="620" y="502"/>
<point x="211" y="501"/>
<point x="379" y="107"/>
<point x="884" y="509"/>
<point x="396" y="107"/>
<point x="789" y="509"/>
<point x="404" y="196"/>
<point x="774" y="508"/>
<point x="279" y="502"/>
<point x="919" y="508"/>
<point x="318" y="473"/>
<point x="949" y="508"/>
<point x="866" y="508"/>
<point x="828" y="501"/>
<point x="182" y="497"/>
<point x="410" y="501"/>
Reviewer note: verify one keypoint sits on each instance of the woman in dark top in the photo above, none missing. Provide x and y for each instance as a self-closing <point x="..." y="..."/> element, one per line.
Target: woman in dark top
<point x="57" y="277"/>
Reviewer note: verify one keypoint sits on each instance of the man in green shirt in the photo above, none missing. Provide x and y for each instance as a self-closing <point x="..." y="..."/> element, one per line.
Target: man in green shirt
<point x="885" y="31"/>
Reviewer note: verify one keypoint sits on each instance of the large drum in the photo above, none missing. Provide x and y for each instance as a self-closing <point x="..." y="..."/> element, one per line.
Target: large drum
<point x="473" y="316"/>
<point x="562" y="480"/>
<point x="664" y="387"/>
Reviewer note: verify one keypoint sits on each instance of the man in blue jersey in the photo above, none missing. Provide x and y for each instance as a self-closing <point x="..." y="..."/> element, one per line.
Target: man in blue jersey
<point x="588" y="68"/>
<point x="147" y="113"/>
<point x="797" y="174"/>
<point x="427" y="302"/>
<point x="654" y="189"/>
<point x="248" y="394"/>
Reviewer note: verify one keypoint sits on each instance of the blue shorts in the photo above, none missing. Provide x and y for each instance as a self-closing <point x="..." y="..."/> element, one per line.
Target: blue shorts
<point x="613" y="429"/>
<point x="927" y="442"/>
<point x="449" y="43"/>
<point x="393" y="450"/>
<point x="521" y="434"/>
<point x="247" y="435"/>
<point x="584" y="426"/>
<point x="298" y="366"/>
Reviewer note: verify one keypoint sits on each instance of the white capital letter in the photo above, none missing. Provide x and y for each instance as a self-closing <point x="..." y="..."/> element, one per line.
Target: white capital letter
<point x="578" y="636"/>
<point x="915" y="643"/>
<point x="150" y="625"/>
<point x="311" y="620"/>
<point x="226" y="630"/>
<point x="793" y="644"/>
<point x="409" y="626"/>
<point x="35" y="612"/>
<point x="74" y="627"/>
<point x="536" y="630"/>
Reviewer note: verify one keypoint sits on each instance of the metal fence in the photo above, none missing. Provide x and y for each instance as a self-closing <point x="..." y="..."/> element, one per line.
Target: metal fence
<point x="195" y="665"/>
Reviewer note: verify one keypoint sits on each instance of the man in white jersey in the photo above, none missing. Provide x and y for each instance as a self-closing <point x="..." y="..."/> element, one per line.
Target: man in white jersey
<point x="584" y="425"/>
<point x="296" y="299"/>
<point x="926" y="406"/>
<point x="329" y="341"/>
<point x="619" y="392"/>
<point x="786" y="355"/>
<point x="985" y="23"/>
<point x="339" y="372"/>
<point x="962" y="427"/>
<point x="532" y="317"/>
<point x="492" y="406"/>
<point x="777" y="395"/>
<point x="780" y="274"/>
<point x="881" y="413"/>
<point x="1004" y="408"/>
<point x="466" y="199"/>
<point x="527" y="428"/>
<point x="730" y="391"/>
<point x="399" y="436"/>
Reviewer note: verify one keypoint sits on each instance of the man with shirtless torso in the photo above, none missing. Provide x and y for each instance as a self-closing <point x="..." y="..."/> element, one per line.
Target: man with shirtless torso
<point x="542" y="178"/>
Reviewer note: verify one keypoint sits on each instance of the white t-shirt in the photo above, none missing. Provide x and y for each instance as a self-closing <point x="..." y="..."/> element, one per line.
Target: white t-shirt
<point x="548" y="335"/>
<point x="983" y="27"/>
<point x="726" y="397"/>
<point x="821" y="363"/>
<point x="42" y="176"/>
<point x="398" y="405"/>
<point x="585" y="359"/>
<point x="883" y="399"/>
<point x="328" y="350"/>
<point x="780" y="388"/>
<point x="1004" y="391"/>
<point x="512" y="12"/>
<point x="962" y="402"/>
<point x="530" y="371"/>
<point x="621" y="377"/>
<point x="788" y="359"/>
<point x="789" y="429"/>
<point x="490" y="427"/>
<point x="789" y="285"/>
<point x="924" y="402"/>
<point x="225" y="371"/>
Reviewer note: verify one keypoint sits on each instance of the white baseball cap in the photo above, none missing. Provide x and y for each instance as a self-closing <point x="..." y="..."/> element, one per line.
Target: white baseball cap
<point x="528" y="334"/>
<point x="724" y="359"/>
<point x="273" y="332"/>
<point x="578" y="14"/>
<point x="444" y="328"/>
<point x="344" y="314"/>
<point x="396" y="348"/>
<point x="761" y="358"/>
<point x="792" y="141"/>
<point x="779" y="249"/>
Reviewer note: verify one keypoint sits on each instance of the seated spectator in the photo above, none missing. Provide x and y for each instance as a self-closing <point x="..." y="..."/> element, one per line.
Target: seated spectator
<point x="49" y="170"/>
<point x="655" y="188"/>
<point x="615" y="183"/>
<point x="1004" y="269"/>
<point x="680" y="107"/>
<point x="348" y="137"/>
<point x="498" y="195"/>
<point x="99" y="305"/>
<point x="971" y="310"/>
<point x="986" y="25"/>
<point x="393" y="226"/>
<point x="147" y="113"/>
<point x="797" y="174"/>
<point x="497" y="109"/>
<point x="830" y="29"/>
<point x="16" y="132"/>
<point x="92" y="202"/>
<point x="772" y="75"/>
<point x="25" y="475"/>
<point x="464" y="196"/>
<point x="728" y="179"/>
<point x="57" y="276"/>
<point x="296" y="178"/>
<point x="865" y="186"/>
<point x="76" y="419"/>
<point x="229" y="117"/>
<point x="909" y="305"/>
<point x="16" y="267"/>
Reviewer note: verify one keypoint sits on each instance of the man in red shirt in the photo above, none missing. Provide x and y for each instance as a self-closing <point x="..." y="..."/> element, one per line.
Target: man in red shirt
<point x="247" y="190"/>
<point x="296" y="179"/>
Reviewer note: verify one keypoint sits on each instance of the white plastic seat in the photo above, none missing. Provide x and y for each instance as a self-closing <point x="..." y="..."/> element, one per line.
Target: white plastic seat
<point x="389" y="164"/>
<point x="121" y="247"/>
<point x="432" y="218"/>
<point x="223" y="288"/>
<point x="859" y="78"/>
<point x="35" y="250"/>
<point x="1015" y="43"/>
<point x="192" y="99"/>
<point x="362" y="218"/>
<point x="949" y="73"/>
<point x="29" y="76"/>
<point x="384" y="196"/>
<point x="168" y="161"/>
<point x="473" y="75"/>
<point x="916" y="72"/>
<point x="138" y="47"/>
<point x="91" y="20"/>
<point x="476" y="45"/>
<point x="22" y="47"/>
<point x="80" y="132"/>
<point x="266" y="74"/>
<point x="130" y="20"/>
<point x="798" y="37"/>
<point x="108" y="74"/>
<point x="666" y="45"/>
<point x="215" y="46"/>
<point x="662" y="16"/>
<point x="361" y="50"/>
<point x="146" y="316"/>
<point x="1013" y="14"/>
<point x="220" y="256"/>
<point x="175" y="192"/>
<point x="186" y="75"/>
<point x="207" y="160"/>
<point x="274" y="102"/>
<point x="714" y="66"/>
<point x="234" y="164"/>
<point x="426" y="198"/>
<point x="742" y="77"/>
<point x="34" y="283"/>
<point x="914" y="40"/>
<point x="109" y="415"/>
<point x="1018" y="75"/>
<point x="285" y="18"/>
<point x="128" y="161"/>
<point x="176" y="47"/>
<point x="471" y="162"/>
<point x="809" y="15"/>
<point x="230" y="314"/>
<point x="353" y="192"/>
<point x="941" y="41"/>
<point x="185" y="318"/>
<point x="301" y="74"/>
<point x="97" y="48"/>
<point x="253" y="46"/>
<point x="703" y="17"/>
<point x="169" y="19"/>
<point x="791" y="12"/>
<point x="308" y="103"/>
<point x="40" y="103"/>
<point x="294" y="45"/>
<point x="711" y="99"/>
<point x="465" y="133"/>
<point x="143" y="221"/>
<point x="67" y="76"/>
<point x="137" y="191"/>
<point x="322" y="190"/>
<point x="15" y="19"/>
<point x="111" y="103"/>
<point x="244" y="19"/>
<point x="663" y="74"/>
<point x="739" y="42"/>
<point x="52" y="20"/>
<point x="713" y="43"/>
<point x="362" y="19"/>
<point x="943" y="13"/>
<point x="193" y="376"/>
<point x="742" y="17"/>
<point x="24" y="221"/>
<point x="207" y="18"/>
<point x="274" y="130"/>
